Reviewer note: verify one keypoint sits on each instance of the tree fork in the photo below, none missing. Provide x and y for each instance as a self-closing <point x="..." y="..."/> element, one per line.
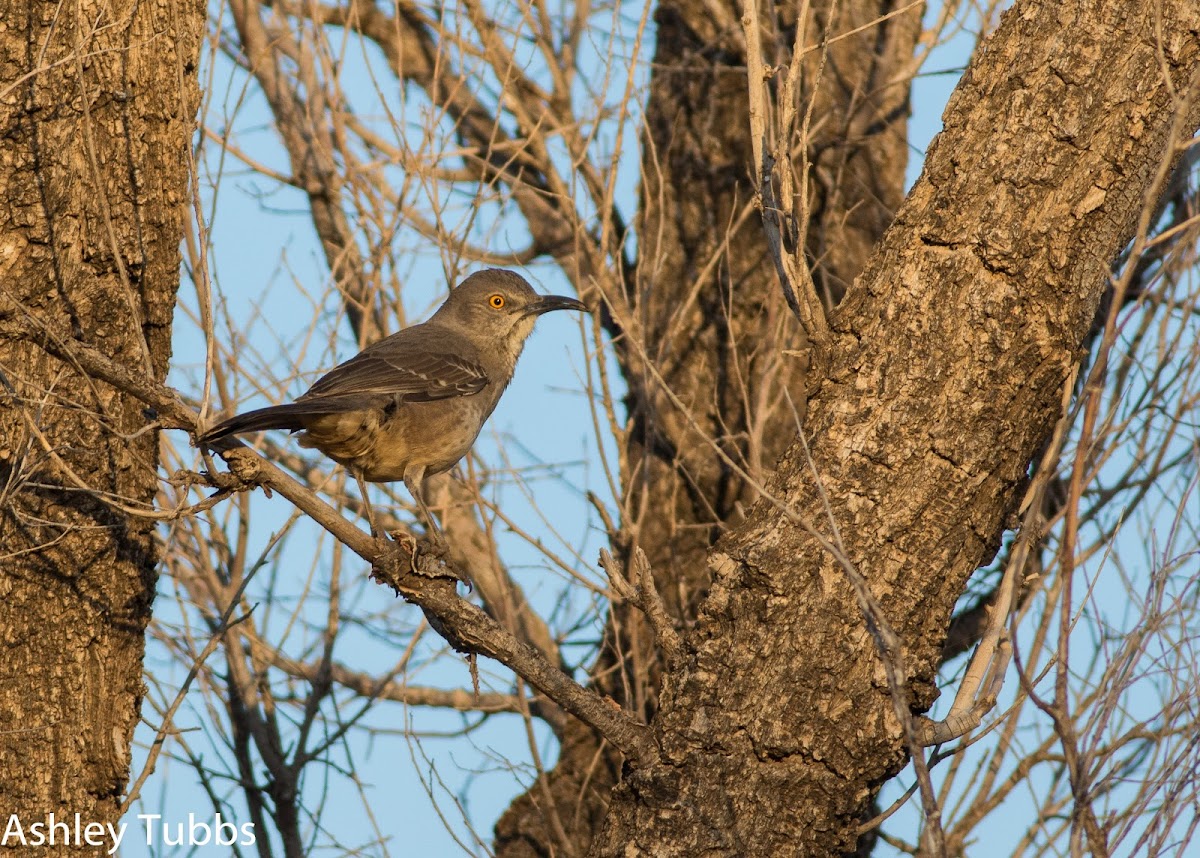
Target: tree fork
<point x="948" y="360"/>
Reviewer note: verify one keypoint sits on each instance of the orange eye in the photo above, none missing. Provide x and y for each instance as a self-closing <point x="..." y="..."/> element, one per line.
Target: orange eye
<point x="497" y="301"/>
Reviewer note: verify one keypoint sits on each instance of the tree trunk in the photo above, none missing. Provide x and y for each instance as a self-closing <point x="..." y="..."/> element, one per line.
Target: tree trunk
<point x="716" y="328"/>
<point x="97" y="110"/>
<point x="948" y="361"/>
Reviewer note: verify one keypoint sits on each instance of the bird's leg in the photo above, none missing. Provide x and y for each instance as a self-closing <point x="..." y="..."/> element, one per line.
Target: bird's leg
<point x="415" y="484"/>
<point x="362" y="487"/>
<point x="375" y="532"/>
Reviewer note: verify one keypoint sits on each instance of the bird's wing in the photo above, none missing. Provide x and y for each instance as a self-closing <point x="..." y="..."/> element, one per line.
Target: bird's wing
<point x="411" y="367"/>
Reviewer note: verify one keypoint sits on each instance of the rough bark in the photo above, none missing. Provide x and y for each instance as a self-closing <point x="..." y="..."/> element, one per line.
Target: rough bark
<point x="714" y="325"/>
<point x="948" y="360"/>
<point x="97" y="109"/>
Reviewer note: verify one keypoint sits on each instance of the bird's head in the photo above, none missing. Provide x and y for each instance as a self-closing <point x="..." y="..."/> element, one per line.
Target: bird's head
<point x="500" y="306"/>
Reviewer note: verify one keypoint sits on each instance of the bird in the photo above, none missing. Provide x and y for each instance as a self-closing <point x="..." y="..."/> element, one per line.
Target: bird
<point x="412" y="404"/>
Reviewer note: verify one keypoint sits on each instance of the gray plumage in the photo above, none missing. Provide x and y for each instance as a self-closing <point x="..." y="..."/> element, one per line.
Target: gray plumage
<point x="412" y="404"/>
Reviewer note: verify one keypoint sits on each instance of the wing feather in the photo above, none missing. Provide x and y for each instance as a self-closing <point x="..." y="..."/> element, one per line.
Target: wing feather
<point x="417" y="365"/>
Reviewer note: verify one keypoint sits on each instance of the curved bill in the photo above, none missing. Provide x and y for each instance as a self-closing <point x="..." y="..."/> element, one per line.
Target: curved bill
<point x="546" y="303"/>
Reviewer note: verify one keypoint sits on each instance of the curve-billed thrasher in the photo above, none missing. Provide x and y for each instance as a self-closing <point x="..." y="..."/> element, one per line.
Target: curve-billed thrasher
<point x="412" y="404"/>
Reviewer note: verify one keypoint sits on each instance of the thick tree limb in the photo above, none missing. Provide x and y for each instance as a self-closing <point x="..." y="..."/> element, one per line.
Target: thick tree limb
<point x="948" y="360"/>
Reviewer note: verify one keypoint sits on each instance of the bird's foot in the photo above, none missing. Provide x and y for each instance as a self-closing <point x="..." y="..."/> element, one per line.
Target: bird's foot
<point x="436" y="545"/>
<point x="435" y="559"/>
<point x="411" y="547"/>
<point x="426" y="557"/>
<point x="406" y="539"/>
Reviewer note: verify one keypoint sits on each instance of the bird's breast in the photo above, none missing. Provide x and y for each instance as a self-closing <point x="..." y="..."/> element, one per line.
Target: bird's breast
<point x="382" y="443"/>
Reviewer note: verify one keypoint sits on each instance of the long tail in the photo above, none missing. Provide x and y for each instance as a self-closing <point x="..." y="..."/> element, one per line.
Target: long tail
<point x="293" y="416"/>
<point x="290" y="417"/>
